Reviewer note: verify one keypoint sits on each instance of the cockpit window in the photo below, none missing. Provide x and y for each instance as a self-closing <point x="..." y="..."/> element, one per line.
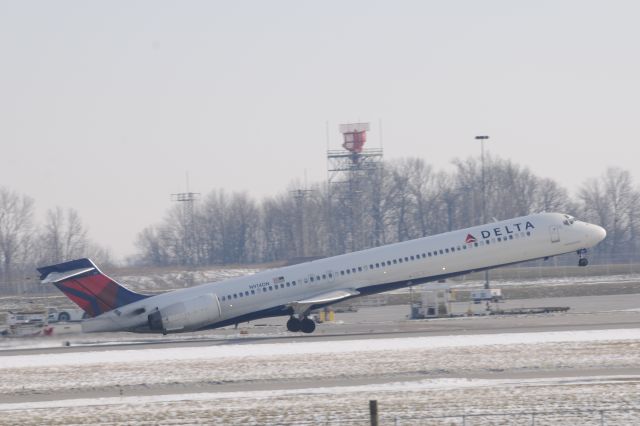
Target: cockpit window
<point x="568" y="220"/>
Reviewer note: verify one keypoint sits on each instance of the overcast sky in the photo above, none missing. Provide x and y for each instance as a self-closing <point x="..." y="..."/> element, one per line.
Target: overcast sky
<point x="106" y="105"/>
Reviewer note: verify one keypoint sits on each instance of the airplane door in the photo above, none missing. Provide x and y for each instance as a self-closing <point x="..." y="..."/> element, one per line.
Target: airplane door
<point x="554" y="230"/>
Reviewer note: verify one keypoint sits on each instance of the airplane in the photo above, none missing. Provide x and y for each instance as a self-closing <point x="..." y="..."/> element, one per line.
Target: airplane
<point x="296" y="290"/>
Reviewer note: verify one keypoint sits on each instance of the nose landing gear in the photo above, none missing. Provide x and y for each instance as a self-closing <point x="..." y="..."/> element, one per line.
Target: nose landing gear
<point x="582" y="260"/>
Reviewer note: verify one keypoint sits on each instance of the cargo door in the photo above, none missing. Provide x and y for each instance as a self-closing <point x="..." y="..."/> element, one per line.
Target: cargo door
<point x="554" y="230"/>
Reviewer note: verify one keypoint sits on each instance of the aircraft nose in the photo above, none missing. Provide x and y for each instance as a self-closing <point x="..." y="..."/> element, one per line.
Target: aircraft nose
<point x="598" y="233"/>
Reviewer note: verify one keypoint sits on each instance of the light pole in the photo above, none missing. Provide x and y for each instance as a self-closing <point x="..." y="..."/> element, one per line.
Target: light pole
<point x="484" y="196"/>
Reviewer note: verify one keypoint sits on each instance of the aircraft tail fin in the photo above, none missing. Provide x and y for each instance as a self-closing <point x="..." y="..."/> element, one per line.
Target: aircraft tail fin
<point x="82" y="282"/>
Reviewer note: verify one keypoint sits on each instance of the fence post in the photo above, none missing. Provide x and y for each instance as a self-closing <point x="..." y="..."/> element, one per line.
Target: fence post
<point x="373" y="412"/>
<point x="602" y="417"/>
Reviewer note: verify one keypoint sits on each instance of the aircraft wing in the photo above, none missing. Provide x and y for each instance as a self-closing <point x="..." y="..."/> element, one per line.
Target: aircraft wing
<point x="302" y="306"/>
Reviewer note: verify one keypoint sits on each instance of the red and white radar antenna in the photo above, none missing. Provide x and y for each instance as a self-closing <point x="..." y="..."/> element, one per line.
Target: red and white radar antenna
<point x="355" y="136"/>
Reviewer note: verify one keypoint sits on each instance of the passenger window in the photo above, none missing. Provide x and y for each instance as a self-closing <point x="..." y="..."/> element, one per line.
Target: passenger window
<point x="324" y="276"/>
<point x="288" y="284"/>
<point x="359" y="268"/>
<point x="441" y="251"/>
<point x="253" y="292"/>
<point x="311" y="278"/>
<point x="348" y="271"/>
<point x="353" y="270"/>
<point x="293" y="283"/>
<point x="388" y="263"/>
<point x="406" y="259"/>
<point x="413" y="258"/>
<point x="395" y="261"/>
<point x="223" y="298"/>
<point x="400" y="260"/>
<point x="235" y="296"/>
<point x="377" y="265"/>
<point x="424" y="255"/>
<point x="371" y="266"/>
<point x="270" y="288"/>
<point x="446" y="250"/>
<point x="341" y="272"/>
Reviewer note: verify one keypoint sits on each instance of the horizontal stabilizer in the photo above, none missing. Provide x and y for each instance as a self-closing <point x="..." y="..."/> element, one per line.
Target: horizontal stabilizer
<point x="56" y="277"/>
<point x="66" y="268"/>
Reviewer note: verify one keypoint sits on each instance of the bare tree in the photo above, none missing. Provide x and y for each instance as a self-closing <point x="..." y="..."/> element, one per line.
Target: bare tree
<point x="152" y="250"/>
<point x="16" y="229"/>
<point x="550" y="197"/>
<point x="63" y="237"/>
<point x="612" y="201"/>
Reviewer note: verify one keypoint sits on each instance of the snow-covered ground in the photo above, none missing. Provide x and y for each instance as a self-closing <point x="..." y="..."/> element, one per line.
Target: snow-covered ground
<point x="331" y="381"/>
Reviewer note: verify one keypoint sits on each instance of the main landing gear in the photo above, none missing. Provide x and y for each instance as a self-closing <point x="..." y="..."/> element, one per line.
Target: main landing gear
<point x="582" y="260"/>
<point x="305" y="325"/>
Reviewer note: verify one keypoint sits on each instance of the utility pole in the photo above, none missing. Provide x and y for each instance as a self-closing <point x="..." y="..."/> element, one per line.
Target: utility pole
<point x="299" y="195"/>
<point x="188" y="199"/>
<point x="483" y="138"/>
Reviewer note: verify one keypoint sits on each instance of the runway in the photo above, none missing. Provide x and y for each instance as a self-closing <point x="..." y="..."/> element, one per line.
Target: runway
<point x="585" y="313"/>
<point x="256" y="374"/>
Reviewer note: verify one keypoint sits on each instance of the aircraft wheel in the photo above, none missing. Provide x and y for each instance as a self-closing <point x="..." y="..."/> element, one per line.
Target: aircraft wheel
<point x="583" y="262"/>
<point x="64" y="317"/>
<point x="293" y="324"/>
<point x="307" y="325"/>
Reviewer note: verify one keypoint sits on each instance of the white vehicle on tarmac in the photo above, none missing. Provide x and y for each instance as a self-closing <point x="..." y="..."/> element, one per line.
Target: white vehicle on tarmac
<point x="66" y="315"/>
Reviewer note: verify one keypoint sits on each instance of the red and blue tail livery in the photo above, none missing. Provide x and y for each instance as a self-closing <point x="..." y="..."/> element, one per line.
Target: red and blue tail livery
<point x="82" y="282"/>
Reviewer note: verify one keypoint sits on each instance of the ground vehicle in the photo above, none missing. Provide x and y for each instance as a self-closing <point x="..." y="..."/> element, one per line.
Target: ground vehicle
<point x="35" y="316"/>
<point x="487" y="294"/>
<point x="65" y="314"/>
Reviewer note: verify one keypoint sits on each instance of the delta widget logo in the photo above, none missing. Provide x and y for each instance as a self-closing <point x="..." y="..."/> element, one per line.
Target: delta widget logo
<point x="470" y="239"/>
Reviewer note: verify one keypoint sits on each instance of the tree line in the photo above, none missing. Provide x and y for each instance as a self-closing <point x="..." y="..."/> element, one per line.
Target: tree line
<point x="24" y="244"/>
<point x="404" y="199"/>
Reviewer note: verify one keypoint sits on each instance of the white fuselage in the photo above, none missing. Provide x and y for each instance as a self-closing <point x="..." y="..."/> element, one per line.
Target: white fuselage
<point x="270" y="292"/>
